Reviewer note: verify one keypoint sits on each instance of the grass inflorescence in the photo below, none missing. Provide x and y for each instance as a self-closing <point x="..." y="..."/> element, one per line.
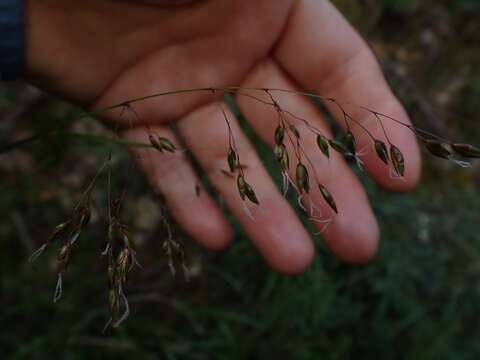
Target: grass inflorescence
<point x="296" y="167"/>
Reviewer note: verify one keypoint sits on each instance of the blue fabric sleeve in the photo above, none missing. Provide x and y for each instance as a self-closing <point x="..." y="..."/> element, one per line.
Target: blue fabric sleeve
<point x="12" y="39"/>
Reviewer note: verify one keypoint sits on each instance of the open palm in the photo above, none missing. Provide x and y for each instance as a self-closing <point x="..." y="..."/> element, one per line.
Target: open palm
<point x="98" y="53"/>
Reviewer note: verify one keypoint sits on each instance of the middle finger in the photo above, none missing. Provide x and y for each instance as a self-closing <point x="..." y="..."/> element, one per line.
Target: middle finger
<point x="353" y="233"/>
<point x="272" y="225"/>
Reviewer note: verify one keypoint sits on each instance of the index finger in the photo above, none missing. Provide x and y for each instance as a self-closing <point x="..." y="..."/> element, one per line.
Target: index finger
<point x="337" y="63"/>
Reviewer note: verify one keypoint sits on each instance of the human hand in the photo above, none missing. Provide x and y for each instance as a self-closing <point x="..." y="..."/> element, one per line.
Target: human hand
<point x="98" y="53"/>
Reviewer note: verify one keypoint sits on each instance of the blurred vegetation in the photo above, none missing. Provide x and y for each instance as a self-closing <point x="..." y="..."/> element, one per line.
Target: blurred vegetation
<point x="418" y="300"/>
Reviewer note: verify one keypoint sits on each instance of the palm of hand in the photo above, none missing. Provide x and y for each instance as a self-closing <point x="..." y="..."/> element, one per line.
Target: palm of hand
<point x="102" y="44"/>
<point x="113" y="51"/>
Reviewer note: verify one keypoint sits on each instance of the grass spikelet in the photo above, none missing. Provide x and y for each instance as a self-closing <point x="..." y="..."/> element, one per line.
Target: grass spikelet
<point x="328" y="197"/>
<point x="398" y="160"/>
<point x="438" y="149"/>
<point x="232" y="160"/>
<point x="338" y="147"/>
<point x="381" y="151"/>
<point x="302" y="178"/>
<point x="466" y="150"/>
<point x="279" y="135"/>
<point x="322" y="143"/>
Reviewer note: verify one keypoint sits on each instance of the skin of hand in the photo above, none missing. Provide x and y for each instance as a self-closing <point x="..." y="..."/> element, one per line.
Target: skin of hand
<point x="99" y="53"/>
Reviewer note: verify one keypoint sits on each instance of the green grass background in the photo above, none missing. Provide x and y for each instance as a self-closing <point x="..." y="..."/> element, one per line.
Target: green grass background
<point x="419" y="299"/>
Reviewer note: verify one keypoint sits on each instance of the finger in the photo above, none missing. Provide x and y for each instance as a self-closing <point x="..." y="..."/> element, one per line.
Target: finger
<point x="172" y="175"/>
<point x="337" y="63"/>
<point x="353" y="233"/>
<point x="272" y="225"/>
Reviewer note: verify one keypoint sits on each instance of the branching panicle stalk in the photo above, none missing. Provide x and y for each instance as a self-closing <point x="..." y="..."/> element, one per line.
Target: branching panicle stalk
<point x="290" y="138"/>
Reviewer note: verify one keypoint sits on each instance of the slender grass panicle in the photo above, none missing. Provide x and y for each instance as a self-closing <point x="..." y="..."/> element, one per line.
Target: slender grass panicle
<point x="290" y="134"/>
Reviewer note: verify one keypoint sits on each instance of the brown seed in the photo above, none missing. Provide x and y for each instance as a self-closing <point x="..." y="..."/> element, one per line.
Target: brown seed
<point x="322" y="143"/>
<point x="328" y="197"/>
<point x="350" y="142"/>
<point x="381" y="150"/>
<point x="178" y="247"/>
<point x="279" y="135"/>
<point x="281" y="155"/>
<point x="397" y="160"/>
<point x="232" y="160"/>
<point x="302" y="178"/>
<point x="251" y="194"/>
<point x="63" y="258"/>
<point x="466" y="150"/>
<point x="338" y="146"/>
<point x="57" y="231"/>
<point x="242" y="186"/>
<point x="166" y="145"/>
<point x="285" y="162"/>
<point x="59" y="228"/>
<point x="123" y="264"/>
<point x="167" y="247"/>
<point x="438" y="148"/>
<point x="278" y="152"/>
<point x="154" y="142"/>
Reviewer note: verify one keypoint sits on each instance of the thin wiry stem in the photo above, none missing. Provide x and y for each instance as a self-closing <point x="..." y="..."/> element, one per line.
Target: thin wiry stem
<point x="383" y="128"/>
<point x="231" y="90"/>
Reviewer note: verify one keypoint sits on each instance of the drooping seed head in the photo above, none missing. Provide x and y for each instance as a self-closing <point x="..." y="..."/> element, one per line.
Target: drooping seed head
<point x="278" y="152"/>
<point x="438" y="148"/>
<point x="154" y="142"/>
<point x="285" y="162"/>
<point x="350" y="142"/>
<point x="57" y="231"/>
<point x="328" y="197"/>
<point x="397" y="160"/>
<point x="302" y="178"/>
<point x="178" y="247"/>
<point x="281" y="155"/>
<point x="166" y="144"/>
<point x="251" y="194"/>
<point x="232" y="160"/>
<point x="63" y="257"/>
<point x="322" y="143"/>
<point x="279" y="135"/>
<point x="127" y="238"/>
<point x="167" y="247"/>
<point x="242" y="186"/>
<point x="180" y="253"/>
<point x="466" y="150"/>
<point x="381" y="150"/>
<point x="338" y="146"/>
<point x="123" y="264"/>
